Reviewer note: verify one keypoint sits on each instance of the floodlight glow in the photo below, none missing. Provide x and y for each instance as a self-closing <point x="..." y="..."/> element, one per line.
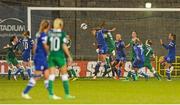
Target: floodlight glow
<point x="148" y="5"/>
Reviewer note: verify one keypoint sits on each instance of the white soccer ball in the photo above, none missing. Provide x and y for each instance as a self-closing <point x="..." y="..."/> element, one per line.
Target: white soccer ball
<point x="84" y="26"/>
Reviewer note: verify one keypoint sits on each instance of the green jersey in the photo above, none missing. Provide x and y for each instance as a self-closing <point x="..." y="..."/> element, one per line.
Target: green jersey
<point x="110" y="42"/>
<point x="11" y="50"/>
<point x="56" y="39"/>
<point x="148" y="52"/>
<point x="132" y="53"/>
<point x="11" y="56"/>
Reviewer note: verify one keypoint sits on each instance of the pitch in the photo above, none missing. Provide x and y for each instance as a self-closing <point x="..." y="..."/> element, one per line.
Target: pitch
<point x="100" y="91"/>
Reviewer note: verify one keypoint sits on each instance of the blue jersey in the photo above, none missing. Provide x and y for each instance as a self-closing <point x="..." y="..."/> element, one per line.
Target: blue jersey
<point x="120" y="45"/>
<point x="100" y="38"/>
<point x="40" y="51"/>
<point x="27" y="44"/>
<point x="40" y="57"/>
<point x="171" y="47"/>
<point x="139" y="56"/>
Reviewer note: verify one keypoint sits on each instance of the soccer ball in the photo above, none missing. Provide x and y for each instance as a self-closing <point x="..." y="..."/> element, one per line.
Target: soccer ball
<point x="84" y="26"/>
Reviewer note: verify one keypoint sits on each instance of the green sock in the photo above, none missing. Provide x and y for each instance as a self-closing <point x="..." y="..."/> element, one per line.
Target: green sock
<point x="107" y="61"/>
<point x="66" y="87"/>
<point x="9" y="74"/>
<point x="50" y="87"/>
<point x="129" y="75"/>
<point x="73" y="73"/>
<point x="70" y="73"/>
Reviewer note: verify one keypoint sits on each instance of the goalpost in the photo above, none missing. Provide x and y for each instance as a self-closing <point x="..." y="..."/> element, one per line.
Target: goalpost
<point x="30" y="9"/>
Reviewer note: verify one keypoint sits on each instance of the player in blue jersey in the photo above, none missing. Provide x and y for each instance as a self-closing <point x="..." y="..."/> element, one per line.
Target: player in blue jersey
<point x="171" y="56"/>
<point x="40" y="58"/>
<point x="27" y="44"/>
<point x="120" y="56"/>
<point x="138" y="62"/>
<point x="102" y="48"/>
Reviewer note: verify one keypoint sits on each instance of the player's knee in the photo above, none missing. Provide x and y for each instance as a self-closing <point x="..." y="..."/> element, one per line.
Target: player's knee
<point x="64" y="77"/>
<point x="32" y="82"/>
<point x="52" y="77"/>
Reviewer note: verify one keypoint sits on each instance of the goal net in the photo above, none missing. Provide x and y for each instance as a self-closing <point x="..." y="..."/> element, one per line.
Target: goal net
<point x="154" y="24"/>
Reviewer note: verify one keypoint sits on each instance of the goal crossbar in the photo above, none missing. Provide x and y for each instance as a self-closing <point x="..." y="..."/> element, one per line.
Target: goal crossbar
<point x="29" y="9"/>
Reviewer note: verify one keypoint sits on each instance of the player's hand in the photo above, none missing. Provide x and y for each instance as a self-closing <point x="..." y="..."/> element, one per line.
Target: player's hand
<point x="161" y="41"/>
<point x="7" y="46"/>
<point x="97" y="51"/>
<point x="114" y="29"/>
<point x="113" y="53"/>
<point x="70" y="60"/>
<point x="94" y="44"/>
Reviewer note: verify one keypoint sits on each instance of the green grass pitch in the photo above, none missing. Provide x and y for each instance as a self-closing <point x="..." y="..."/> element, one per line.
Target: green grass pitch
<point x="100" y="91"/>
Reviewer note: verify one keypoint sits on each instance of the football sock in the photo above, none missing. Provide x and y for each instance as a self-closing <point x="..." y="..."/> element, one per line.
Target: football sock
<point x="9" y="74"/>
<point x="168" y="74"/>
<point x="50" y="84"/>
<point x="29" y="86"/>
<point x="65" y="83"/>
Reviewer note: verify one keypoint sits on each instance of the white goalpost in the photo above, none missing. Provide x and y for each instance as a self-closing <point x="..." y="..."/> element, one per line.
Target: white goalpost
<point x="29" y="9"/>
<point x="92" y="9"/>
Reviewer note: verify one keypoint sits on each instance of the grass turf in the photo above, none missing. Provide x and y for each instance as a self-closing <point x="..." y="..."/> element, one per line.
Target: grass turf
<point x="100" y="91"/>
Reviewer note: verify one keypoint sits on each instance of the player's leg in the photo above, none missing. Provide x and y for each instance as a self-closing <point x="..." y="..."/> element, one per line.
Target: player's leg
<point x="74" y="75"/>
<point x="46" y="77"/>
<point x="149" y="66"/>
<point x="31" y="84"/>
<point x="167" y="65"/>
<point x="26" y="65"/>
<point x="10" y="69"/>
<point x="168" y="71"/>
<point x="51" y="81"/>
<point x="19" y="69"/>
<point x="106" y="62"/>
<point x="51" y="77"/>
<point x="141" y="72"/>
<point x="96" y="69"/>
<point x="65" y="81"/>
<point x="134" y="72"/>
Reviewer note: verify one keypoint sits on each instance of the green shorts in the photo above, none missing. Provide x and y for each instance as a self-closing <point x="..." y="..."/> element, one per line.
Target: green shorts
<point x="148" y="65"/>
<point x="54" y="61"/>
<point x="110" y="50"/>
<point x="12" y="61"/>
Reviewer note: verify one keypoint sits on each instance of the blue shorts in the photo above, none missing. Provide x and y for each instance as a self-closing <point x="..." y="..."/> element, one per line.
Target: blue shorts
<point x="169" y="59"/>
<point x="120" y="58"/>
<point x="25" y="57"/>
<point x="40" y="64"/>
<point x="103" y="50"/>
<point x="138" y="63"/>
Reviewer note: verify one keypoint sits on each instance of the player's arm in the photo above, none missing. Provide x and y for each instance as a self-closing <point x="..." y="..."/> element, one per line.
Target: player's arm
<point x="170" y="45"/>
<point x="123" y="45"/>
<point x="45" y="45"/>
<point x="111" y="30"/>
<point x="128" y="45"/>
<point x="34" y="49"/>
<point x="65" y="48"/>
<point x="7" y="46"/>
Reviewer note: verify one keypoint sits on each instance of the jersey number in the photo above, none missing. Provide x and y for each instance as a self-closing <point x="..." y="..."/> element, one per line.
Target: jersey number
<point x="25" y="44"/>
<point x="55" y="43"/>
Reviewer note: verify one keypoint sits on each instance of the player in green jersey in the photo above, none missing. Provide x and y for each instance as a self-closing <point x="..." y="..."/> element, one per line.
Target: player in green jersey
<point x="57" y="58"/>
<point x="111" y="49"/>
<point x="148" y="53"/>
<point x="132" y="53"/>
<point x="71" y="70"/>
<point x="12" y="61"/>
